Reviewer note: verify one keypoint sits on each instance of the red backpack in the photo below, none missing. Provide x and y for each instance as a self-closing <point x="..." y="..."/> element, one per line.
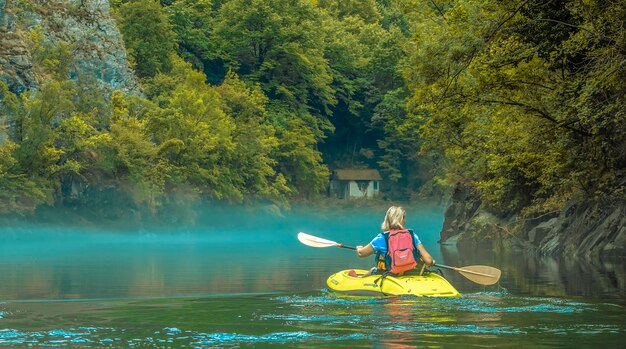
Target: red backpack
<point x="401" y="251"/>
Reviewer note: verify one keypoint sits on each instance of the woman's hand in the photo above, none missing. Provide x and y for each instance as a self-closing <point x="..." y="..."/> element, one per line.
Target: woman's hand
<point x="358" y="248"/>
<point x="365" y="251"/>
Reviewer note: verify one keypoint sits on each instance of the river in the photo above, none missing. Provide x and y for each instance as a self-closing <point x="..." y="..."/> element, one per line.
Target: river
<point x="239" y="278"/>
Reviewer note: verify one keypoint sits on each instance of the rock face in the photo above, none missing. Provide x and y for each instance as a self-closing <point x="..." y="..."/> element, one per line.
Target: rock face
<point x="464" y="206"/>
<point x="15" y="60"/>
<point x="97" y="44"/>
<point x="585" y="228"/>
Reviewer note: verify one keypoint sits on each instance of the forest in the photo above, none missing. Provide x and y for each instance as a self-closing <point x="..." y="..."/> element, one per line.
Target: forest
<point x="257" y="100"/>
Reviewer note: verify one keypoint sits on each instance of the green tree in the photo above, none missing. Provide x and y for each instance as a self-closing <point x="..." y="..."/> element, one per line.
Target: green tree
<point x="128" y="152"/>
<point x="49" y="58"/>
<point x="523" y="97"/>
<point x="254" y="166"/>
<point x="18" y="192"/>
<point x="279" y="44"/>
<point x="298" y="160"/>
<point x="35" y="127"/>
<point x="192" y="22"/>
<point x="148" y="36"/>
<point x="195" y="135"/>
<point x="366" y="10"/>
<point x="364" y="59"/>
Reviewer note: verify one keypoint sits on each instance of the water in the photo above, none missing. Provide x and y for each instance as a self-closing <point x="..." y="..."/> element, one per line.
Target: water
<point x="241" y="279"/>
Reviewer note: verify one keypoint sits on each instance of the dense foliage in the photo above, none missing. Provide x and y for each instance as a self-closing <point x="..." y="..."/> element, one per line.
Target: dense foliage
<point x="256" y="99"/>
<point x="237" y="99"/>
<point x="525" y="98"/>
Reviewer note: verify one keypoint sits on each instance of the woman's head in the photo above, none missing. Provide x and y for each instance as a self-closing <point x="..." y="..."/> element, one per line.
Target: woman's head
<point x="394" y="219"/>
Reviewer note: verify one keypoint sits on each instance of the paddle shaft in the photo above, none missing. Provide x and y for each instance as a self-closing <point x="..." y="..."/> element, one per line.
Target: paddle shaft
<point x="436" y="264"/>
<point x="347" y="247"/>
<point x="491" y="275"/>
<point x="462" y="270"/>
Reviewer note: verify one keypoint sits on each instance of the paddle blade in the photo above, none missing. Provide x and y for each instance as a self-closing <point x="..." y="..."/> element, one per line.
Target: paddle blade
<point x="315" y="241"/>
<point x="481" y="274"/>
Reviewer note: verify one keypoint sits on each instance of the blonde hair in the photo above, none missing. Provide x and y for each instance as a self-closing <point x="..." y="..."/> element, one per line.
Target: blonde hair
<point x="394" y="219"/>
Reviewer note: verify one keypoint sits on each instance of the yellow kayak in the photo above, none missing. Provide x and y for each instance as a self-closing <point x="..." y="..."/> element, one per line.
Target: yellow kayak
<point x="426" y="285"/>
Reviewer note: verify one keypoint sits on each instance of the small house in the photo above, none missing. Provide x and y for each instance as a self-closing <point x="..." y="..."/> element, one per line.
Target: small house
<point x="354" y="183"/>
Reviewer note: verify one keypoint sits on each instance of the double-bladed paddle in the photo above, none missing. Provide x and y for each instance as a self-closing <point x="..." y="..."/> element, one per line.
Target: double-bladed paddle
<point x="480" y="274"/>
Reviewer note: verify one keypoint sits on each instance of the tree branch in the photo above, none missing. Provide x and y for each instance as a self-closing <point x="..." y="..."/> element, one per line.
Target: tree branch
<point x="472" y="54"/>
<point x="542" y="114"/>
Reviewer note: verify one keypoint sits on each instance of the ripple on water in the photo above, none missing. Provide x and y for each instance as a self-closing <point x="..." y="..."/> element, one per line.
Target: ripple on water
<point x="578" y="329"/>
<point x="470" y="329"/>
<point x="55" y="337"/>
<point x="327" y="318"/>
<point x="479" y="303"/>
<point x="59" y="337"/>
<point x="14" y="337"/>
<point x="383" y="321"/>
<point x="276" y="337"/>
<point x="485" y="302"/>
<point x="313" y="318"/>
<point x="389" y="325"/>
<point x="504" y="303"/>
<point x="326" y="299"/>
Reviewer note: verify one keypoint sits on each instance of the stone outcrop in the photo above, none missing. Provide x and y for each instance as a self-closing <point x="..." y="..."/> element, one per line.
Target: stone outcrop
<point x="589" y="228"/>
<point x="15" y="60"/>
<point x="460" y="214"/>
<point x="584" y="228"/>
<point x="97" y="45"/>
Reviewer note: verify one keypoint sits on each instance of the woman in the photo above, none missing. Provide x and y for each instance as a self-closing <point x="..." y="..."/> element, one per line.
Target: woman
<point x="394" y="221"/>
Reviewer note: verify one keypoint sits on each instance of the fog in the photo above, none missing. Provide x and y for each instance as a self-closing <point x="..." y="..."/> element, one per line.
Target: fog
<point x="223" y="249"/>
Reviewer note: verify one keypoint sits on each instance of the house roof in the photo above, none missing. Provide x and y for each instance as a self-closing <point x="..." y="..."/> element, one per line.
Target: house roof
<point x="357" y="174"/>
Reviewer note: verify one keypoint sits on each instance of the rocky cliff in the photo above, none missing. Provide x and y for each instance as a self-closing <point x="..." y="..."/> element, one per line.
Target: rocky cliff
<point x="97" y="46"/>
<point x="583" y="228"/>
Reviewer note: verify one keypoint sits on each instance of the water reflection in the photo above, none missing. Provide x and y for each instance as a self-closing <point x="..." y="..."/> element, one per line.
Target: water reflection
<point x="531" y="274"/>
<point x="398" y="321"/>
<point x="259" y="255"/>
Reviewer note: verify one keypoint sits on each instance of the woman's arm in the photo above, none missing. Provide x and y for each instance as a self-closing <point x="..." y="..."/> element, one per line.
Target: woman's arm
<point x="365" y="251"/>
<point x="426" y="257"/>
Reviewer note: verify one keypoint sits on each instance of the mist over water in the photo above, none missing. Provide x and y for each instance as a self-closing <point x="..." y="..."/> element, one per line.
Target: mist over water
<point x="226" y="249"/>
<point x="232" y="277"/>
<point x="223" y="249"/>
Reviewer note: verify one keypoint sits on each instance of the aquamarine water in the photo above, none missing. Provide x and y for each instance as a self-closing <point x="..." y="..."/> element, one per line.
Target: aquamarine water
<point x="239" y="278"/>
